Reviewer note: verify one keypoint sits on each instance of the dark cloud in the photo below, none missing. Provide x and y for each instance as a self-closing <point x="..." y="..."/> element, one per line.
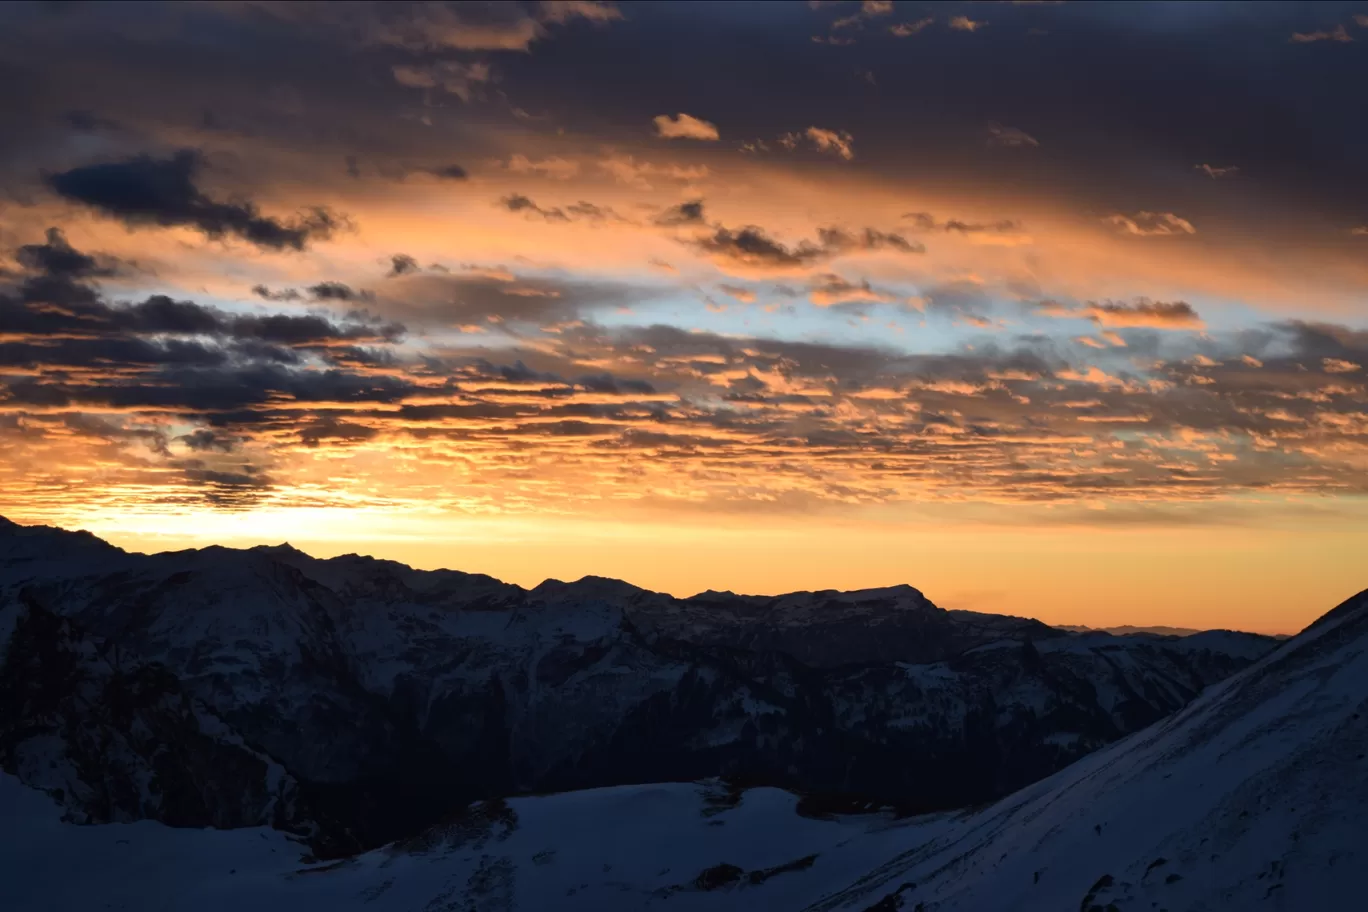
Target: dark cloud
<point x="331" y="428"/>
<point x="336" y="291"/>
<point x="1325" y="340"/>
<point x="1141" y="312"/>
<point x="449" y="172"/>
<point x="689" y="213"/>
<point x="837" y="240"/>
<point x="516" y="202"/>
<point x="753" y="248"/>
<point x="581" y="210"/>
<point x="1003" y="226"/>
<point x="1159" y="314"/>
<point x="402" y="264"/>
<point x="589" y="211"/>
<point x="288" y="329"/>
<point x="163" y="353"/>
<point x="205" y="440"/>
<point x="226" y="487"/>
<point x="195" y="388"/>
<point x="57" y="258"/>
<point x="160" y="314"/>
<point x="925" y="221"/>
<point x="121" y="351"/>
<point x="151" y="191"/>
<point x="286" y="294"/>
<point x="95" y="426"/>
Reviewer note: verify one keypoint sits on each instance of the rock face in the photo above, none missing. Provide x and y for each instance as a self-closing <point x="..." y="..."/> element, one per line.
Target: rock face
<point x="117" y="739"/>
<point x="359" y="700"/>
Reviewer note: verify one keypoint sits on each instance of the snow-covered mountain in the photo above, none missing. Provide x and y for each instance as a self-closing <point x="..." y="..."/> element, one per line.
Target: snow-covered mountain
<point x="358" y="700"/>
<point x="1253" y="797"/>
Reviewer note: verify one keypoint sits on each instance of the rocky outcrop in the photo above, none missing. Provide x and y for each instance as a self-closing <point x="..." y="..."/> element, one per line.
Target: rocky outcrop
<point x="116" y="738"/>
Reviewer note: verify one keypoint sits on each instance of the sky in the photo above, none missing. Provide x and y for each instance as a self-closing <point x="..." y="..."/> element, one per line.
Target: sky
<point x="1049" y="309"/>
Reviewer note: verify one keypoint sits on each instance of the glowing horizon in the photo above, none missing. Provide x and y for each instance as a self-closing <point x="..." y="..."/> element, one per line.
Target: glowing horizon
<point x="807" y="301"/>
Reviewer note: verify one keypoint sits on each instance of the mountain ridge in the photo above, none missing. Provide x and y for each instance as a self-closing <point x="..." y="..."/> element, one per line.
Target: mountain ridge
<point x="286" y="549"/>
<point x="393" y="695"/>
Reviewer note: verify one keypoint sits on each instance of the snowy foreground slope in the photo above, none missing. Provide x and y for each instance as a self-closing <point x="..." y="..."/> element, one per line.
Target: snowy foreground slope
<point x="1253" y="797"/>
<point x="623" y="848"/>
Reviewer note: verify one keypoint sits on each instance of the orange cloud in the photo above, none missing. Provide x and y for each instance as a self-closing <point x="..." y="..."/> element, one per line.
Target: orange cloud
<point x="1339" y="366"/>
<point x="907" y="29"/>
<point x="684" y="126"/>
<point x="1151" y="224"/>
<point x="838" y="143"/>
<point x="1157" y="314"/>
<point x="744" y="295"/>
<point x="831" y="289"/>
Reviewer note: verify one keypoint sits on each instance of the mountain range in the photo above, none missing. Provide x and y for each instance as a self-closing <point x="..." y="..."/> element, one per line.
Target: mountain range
<point x="1250" y="796"/>
<point x="354" y="701"/>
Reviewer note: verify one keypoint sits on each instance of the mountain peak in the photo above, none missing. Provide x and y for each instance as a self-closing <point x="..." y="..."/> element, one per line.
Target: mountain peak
<point x="284" y="549"/>
<point x="600" y="586"/>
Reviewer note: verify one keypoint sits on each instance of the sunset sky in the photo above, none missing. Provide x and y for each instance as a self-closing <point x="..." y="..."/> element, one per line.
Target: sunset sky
<point x="1052" y="309"/>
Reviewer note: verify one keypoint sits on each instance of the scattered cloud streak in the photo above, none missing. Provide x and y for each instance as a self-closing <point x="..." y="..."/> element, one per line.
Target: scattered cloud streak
<point x="1151" y="224"/>
<point x="1140" y="312"/>
<point x="575" y="212"/>
<point x="1339" y="35"/>
<point x="752" y="248"/>
<point x="1010" y="137"/>
<point x="1217" y="172"/>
